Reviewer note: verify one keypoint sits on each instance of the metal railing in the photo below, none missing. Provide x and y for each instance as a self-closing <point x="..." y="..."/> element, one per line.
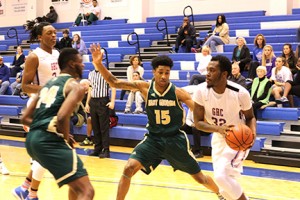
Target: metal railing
<point x="12" y="36"/>
<point x="106" y="58"/>
<point x="136" y="42"/>
<point x="165" y="28"/>
<point x="191" y="15"/>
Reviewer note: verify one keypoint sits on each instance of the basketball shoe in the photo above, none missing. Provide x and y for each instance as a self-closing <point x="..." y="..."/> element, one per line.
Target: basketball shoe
<point x="19" y="193"/>
<point x="3" y="169"/>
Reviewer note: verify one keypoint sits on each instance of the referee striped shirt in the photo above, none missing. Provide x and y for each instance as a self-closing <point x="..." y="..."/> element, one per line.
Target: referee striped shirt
<point x="99" y="85"/>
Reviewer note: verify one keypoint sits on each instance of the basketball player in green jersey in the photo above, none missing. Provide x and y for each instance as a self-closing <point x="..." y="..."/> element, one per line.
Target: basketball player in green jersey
<point x="164" y="139"/>
<point x="49" y="119"/>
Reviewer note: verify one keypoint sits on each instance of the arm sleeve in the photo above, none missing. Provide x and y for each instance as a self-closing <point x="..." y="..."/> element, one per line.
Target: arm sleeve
<point x="245" y="100"/>
<point x="225" y="29"/>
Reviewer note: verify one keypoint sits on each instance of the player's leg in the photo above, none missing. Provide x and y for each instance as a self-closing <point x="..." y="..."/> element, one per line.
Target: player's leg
<point x="37" y="175"/>
<point x="130" y="169"/>
<point x="206" y="181"/>
<point x="227" y="167"/>
<point x="81" y="188"/>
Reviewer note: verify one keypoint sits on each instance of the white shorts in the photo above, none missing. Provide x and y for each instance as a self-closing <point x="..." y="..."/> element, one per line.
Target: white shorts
<point x="225" y="157"/>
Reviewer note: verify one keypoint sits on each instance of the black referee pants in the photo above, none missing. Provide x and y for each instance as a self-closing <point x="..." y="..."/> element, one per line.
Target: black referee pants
<point x="100" y="123"/>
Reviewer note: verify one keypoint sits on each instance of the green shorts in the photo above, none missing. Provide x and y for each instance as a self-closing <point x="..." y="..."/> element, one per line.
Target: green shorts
<point x="54" y="154"/>
<point x="175" y="149"/>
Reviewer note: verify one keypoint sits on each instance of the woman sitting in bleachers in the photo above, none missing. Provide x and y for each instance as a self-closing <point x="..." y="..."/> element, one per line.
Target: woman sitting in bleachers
<point x="260" y="89"/>
<point x="291" y="60"/>
<point x="79" y="44"/>
<point x="135" y="65"/>
<point x="280" y="75"/>
<point x="241" y="54"/>
<point x="268" y="59"/>
<point x="259" y="44"/>
<point x="19" y="60"/>
<point x="220" y="35"/>
<point x="292" y="87"/>
<point x="204" y="59"/>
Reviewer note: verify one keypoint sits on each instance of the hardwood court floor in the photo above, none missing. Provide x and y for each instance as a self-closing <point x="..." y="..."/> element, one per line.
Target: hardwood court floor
<point x="265" y="182"/>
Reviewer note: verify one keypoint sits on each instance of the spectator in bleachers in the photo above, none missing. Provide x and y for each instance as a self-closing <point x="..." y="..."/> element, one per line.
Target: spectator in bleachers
<point x="135" y="96"/>
<point x="259" y="44"/>
<point x="291" y="60"/>
<point x="16" y="86"/>
<point x="280" y="75"/>
<point x="186" y="36"/>
<point x="260" y="89"/>
<point x="4" y="77"/>
<point x="189" y="128"/>
<point x="50" y="17"/>
<point x="204" y="59"/>
<point x="92" y="15"/>
<point x="65" y="41"/>
<point x="236" y="75"/>
<point x="135" y="65"/>
<point x="79" y="44"/>
<point x="241" y="54"/>
<point x="268" y="59"/>
<point x="19" y="60"/>
<point x="292" y="87"/>
<point x="220" y="35"/>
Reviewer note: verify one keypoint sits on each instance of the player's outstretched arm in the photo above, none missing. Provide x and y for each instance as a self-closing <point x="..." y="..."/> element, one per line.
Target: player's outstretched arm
<point x="185" y="97"/>
<point x="111" y="79"/>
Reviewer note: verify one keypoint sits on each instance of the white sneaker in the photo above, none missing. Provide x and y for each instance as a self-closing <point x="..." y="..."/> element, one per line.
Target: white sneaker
<point x="284" y="99"/>
<point x="3" y="169"/>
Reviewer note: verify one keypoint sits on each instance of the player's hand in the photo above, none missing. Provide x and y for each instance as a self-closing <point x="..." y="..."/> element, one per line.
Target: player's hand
<point x="223" y="129"/>
<point x="97" y="53"/>
<point x="71" y="141"/>
<point x="87" y="109"/>
<point x="110" y="105"/>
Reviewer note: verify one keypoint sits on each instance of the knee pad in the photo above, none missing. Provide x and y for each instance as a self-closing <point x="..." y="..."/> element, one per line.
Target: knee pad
<point x="37" y="171"/>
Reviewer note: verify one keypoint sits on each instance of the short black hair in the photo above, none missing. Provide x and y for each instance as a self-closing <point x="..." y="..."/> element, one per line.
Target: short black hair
<point x="65" y="56"/>
<point x="162" y="60"/>
<point x="66" y="31"/>
<point x="51" y="7"/>
<point x="224" y="63"/>
<point x="35" y="29"/>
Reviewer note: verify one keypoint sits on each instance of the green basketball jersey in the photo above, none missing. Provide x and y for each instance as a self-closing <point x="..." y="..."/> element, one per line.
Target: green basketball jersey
<point x="50" y="100"/>
<point x="165" y="113"/>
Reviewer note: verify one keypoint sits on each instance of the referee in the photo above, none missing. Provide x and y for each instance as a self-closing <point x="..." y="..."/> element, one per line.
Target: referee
<point x="98" y="105"/>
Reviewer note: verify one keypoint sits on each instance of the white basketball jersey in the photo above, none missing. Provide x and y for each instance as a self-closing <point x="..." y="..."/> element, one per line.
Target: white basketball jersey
<point x="223" y="109"/>
<point x="48" y="66"/>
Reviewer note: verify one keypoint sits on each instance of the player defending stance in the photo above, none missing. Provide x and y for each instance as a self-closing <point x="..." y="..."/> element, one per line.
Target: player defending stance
<point x="49" y="119"/>
<point x="219" y="104"/>
<point x="165" y="117"/>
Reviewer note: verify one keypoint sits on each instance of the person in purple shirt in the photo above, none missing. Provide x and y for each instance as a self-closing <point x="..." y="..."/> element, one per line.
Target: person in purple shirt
<point x="268" y="59"/>
<point x="4" y="76"/>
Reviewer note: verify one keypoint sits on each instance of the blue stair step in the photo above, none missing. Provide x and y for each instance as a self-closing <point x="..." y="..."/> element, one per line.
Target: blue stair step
<point x="10" y="110"/>
<point x="12" y="100"/>
<point x="269" y="128"/>
<point x="278" y="113"/>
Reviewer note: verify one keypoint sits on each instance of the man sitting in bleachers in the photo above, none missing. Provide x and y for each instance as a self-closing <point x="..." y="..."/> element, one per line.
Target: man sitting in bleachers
<point x="92" y="15"/>
<point x="186" y="36"/>
<point x="4" y="77"/>
<point x="236" y="76"/>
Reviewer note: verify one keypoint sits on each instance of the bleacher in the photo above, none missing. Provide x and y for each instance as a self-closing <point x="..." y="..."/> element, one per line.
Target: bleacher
<point x="113" y="34"/>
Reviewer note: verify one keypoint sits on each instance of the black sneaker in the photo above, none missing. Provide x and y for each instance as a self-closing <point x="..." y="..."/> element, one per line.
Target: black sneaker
<point x="104" y="154"/>
<point x="198" y="154"/>
<point x="94" y="154"/>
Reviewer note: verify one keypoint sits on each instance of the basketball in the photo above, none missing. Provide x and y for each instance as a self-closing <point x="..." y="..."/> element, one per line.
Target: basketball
<point x="240" y="137"/>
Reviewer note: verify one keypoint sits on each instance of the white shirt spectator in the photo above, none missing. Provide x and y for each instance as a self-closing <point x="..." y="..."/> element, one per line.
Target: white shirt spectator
<point x="203" y="63"/>
<point x="283" y="75"/>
